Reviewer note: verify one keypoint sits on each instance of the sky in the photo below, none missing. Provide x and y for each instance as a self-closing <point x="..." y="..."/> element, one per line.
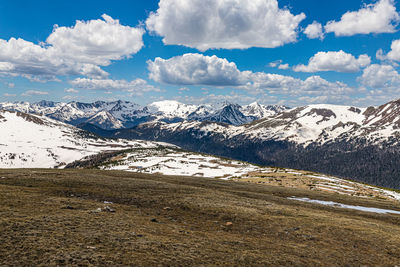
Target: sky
<point x="286" y="52"/>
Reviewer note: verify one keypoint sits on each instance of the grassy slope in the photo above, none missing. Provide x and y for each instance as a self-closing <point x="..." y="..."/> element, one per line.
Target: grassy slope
<point x="190" y="228"/>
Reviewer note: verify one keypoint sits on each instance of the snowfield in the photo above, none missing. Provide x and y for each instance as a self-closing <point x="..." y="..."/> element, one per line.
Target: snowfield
<point x="33" y="141"/>
<point x="169" y="161"/>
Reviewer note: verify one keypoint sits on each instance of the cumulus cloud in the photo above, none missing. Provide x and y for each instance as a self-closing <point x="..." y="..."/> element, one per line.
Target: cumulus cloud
<point x="380" y="17"/>
<point x="334" y="61"/>
<point x="34" y="92"/>
<point x="381" y="84"/>
<point x="314" y="31"/>
<point x="96" y="42"/>
<point x="81" y="49"/>
<point x="393" y="55"/>
<point x="283" y="66"/>
<point x="228" y="24"/>
<point x="380" y="76"/>
<point x="287" y="85"/>
<point x="138" y="86"/>
<point x="196" y="69"/>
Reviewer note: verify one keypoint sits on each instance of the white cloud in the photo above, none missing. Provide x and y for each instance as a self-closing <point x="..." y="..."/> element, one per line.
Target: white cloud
<point x="287" y="85"/>
<point x="34" y="92"/>
<point x="196" y="69"/>
<point x="138" y="86"/>
<point x="96" y="42"/>
<point x="275" y="63"/>
<point x="380" y="77"/>
<point x="334" y="61"/>
<point x="382" y="84"/>
<point x="228" y="24"/>
<point x="81" y="49"/>
<point x="71" y="90"/>
<point x="278" y="64"/>
<point x="314" y="31"/>
<point x="283" y="66"/>
<point x="393" y="55"/>
<point x="380" y="17"/>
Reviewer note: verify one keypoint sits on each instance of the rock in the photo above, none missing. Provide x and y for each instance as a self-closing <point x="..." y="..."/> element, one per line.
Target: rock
<point x="229" y="224"/>
<point x="167" y="208"/>
<point x="68" y="207"/>
<point x="96" y="210"/>
<point x="108" y="209"/>
<point x="154" y="220"/>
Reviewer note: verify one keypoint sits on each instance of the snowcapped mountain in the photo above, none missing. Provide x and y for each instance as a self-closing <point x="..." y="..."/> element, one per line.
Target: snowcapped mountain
<point x="124" y="114"/>
<point x="171" y="109"/>
<point x="260" y="111"/>
<point x="34" y="141"/>
<point x="229" y="114"/>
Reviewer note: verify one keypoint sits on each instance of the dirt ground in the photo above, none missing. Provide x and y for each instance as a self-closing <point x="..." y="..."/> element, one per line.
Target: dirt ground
<point x="111" y="218"/>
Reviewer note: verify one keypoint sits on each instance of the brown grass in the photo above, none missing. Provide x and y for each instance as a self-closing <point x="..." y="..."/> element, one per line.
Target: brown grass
<point x="48" y="218"/>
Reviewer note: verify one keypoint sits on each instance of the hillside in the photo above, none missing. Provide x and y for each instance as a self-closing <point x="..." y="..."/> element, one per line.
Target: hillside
<point x="87" y="217"/>
<point x="33" y="141"/>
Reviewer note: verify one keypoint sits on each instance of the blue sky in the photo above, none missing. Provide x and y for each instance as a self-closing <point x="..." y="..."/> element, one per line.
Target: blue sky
<point x="201" y="51"/>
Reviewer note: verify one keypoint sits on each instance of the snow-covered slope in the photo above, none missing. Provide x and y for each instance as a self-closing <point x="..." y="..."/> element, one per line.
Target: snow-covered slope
<point x="171" y="109"/>
<point x="33" y="141"/>
<point x="313" y="124"/>
<point x="260" y="111"/>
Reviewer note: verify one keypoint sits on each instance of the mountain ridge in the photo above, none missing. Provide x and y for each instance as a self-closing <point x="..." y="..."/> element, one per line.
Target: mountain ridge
<point x="123" y="114"/>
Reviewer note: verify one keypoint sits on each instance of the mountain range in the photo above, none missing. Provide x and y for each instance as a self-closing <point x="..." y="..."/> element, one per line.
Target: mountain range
<point x="345" y="141"/>
<point x="124" y="114"/>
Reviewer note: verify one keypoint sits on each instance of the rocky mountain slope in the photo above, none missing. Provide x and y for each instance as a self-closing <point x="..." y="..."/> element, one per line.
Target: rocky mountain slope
<point x="124" y="114"/>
